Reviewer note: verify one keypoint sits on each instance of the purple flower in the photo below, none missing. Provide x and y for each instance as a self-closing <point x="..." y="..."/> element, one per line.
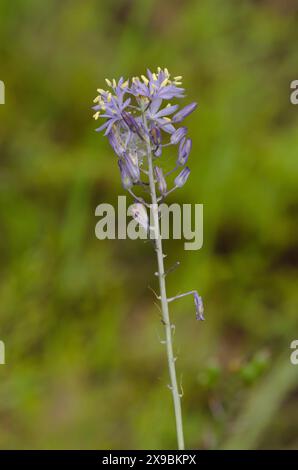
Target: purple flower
<point x="136" y="115"/>
<point x="184" y="112"/>
<point x="155" y="135"/>
<point x="161" y="117"/>
<point x="184" y="151"/>
<point x="157" y="85"/>
<point x="199" y="306"/>
<point x="111" y="104"/>
<point x="178" y="135"/>
<point x="139" y="123"/>
<point x="181" y="179"/>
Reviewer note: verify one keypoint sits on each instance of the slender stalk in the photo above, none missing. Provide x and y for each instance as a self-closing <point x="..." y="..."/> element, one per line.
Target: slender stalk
<point x="164" y="302"/>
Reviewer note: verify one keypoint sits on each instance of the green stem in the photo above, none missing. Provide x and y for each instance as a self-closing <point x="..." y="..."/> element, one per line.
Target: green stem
<point x="164" y="302"/>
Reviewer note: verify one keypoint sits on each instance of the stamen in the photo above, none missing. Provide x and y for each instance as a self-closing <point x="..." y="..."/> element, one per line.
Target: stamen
<point x="145" y="79"/>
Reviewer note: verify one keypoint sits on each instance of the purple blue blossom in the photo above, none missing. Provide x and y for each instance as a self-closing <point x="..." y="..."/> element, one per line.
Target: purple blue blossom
<point x="181" y="179"/>
<point x="184" y="112"/>
<point x="184" y="151"/>
<point x="140" y="122"/>
<point x="126" y="103"/>
<point x="179" y="134"/>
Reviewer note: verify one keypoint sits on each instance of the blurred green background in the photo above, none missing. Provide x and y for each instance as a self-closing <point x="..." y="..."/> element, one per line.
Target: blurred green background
<point x="85" y="368"/>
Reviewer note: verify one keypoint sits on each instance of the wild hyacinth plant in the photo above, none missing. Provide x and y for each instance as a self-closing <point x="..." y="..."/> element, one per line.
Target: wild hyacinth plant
<point x="139" y="125"/>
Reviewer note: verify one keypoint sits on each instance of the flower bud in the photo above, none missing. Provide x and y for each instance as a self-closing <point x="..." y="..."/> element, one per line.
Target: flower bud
<point x="158" y="151"/>
<point x="184" y="151"/>
<point x="178" y="135"/>
<point x="181" y="179"/>
<point x="162" y="184"/>
<point x="155" y="136"/>
<point x="184" y="112"/>
<point x="199" y="306"/>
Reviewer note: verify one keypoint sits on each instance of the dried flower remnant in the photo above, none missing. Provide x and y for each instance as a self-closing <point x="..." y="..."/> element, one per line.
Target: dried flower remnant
<point x="140" y="122"/>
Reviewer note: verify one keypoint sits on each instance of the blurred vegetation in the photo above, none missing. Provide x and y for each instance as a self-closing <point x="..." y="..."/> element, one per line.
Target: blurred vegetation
<point x="85" y="368"/>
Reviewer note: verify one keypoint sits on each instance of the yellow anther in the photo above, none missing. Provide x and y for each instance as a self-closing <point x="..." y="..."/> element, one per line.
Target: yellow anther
<point x="158" y="69"/>
<point x="145" y="79"/>
<point x="167" y="119"/>
<point x="167" y="72"/>
<point x="96" y="99"/>
<point x="164" y="82"/>
<point x="108" y="82"/>
<point x="96" y="115"/>
<point x="114" y="83"/>
<point x="179" y="77"/>
<point x="109" y="97"/>
<point x="100" y="91"/>
<point x="124" y="85"/>
<point x="154" y="77"/>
